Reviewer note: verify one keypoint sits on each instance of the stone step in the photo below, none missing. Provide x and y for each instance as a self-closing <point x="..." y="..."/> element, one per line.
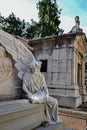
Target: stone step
<point x="21" y="115"/>
<point x="59" y="126"/>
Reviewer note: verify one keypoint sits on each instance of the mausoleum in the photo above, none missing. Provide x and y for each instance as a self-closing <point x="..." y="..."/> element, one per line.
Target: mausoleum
<point x="63" y="65"/>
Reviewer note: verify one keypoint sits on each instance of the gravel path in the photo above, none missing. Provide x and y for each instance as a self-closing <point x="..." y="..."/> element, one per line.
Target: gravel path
<point x="74" y="123"/>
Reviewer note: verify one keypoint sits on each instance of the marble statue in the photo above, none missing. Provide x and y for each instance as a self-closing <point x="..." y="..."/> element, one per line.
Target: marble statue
<point x="35" y="86"/>
<point x="76" y="28"/>
<point x="29" y="71"/>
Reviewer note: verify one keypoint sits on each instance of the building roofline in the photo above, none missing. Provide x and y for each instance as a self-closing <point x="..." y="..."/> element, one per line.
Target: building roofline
<point x="63" y="36"/>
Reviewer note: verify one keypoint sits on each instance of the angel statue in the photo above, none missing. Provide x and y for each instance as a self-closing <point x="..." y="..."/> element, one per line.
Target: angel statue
<point x="34" y="84"/>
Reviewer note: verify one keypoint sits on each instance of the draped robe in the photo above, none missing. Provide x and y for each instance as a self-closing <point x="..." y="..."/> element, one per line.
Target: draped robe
<point x="32" y="84"/>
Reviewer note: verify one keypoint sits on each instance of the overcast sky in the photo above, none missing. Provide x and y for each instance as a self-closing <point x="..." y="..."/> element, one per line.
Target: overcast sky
<point x="26" y="9"/>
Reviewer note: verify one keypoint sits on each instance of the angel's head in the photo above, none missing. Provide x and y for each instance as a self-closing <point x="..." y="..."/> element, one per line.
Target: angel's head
<point x="34" y="67"/>
<point x="2" y="51"/>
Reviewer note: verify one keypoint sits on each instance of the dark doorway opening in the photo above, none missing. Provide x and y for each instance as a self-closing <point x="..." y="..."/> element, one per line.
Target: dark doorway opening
<point x="44" y="66"/>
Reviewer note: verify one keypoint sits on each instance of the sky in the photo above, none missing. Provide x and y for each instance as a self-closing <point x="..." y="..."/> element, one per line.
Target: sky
<point x="26" y="9"/>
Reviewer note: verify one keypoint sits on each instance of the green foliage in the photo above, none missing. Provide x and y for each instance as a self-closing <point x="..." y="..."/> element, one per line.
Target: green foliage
<point x="33" y="30"/>
<point x="48" y="24"/>
<point x="49" y="15"/>
<point x="13" y="25"/>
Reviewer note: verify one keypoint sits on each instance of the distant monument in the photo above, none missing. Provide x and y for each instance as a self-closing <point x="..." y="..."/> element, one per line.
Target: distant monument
<point x="76" y="28"/>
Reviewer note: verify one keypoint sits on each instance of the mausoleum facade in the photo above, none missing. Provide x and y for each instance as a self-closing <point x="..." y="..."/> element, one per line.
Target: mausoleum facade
<point x="63" y="66"/>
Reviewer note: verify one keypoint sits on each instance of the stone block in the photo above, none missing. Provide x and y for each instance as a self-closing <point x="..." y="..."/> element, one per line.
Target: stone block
<point x="61" y="78"/>
<point x="69" y="54"/>
<point x="57" y="91"/>
<point x="62" y="54"/>
<point x="21" y="115"/>
<point x="54" y="66"/>
<point x="69" y="65"/>
<point x="69" y="101"/>
<point x="62" y="66"/>
<point x="55" y="54"/>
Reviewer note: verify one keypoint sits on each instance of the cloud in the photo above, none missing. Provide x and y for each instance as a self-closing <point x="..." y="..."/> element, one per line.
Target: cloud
<point x="67" y="23"/>
<point x="24" y="9"/>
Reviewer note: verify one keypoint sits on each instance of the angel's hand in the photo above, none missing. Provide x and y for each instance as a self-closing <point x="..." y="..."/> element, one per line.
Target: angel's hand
<point x="34" y="97"/>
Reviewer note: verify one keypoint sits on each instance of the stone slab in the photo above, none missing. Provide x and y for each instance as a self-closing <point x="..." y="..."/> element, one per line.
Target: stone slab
<point x="21" y="115"/>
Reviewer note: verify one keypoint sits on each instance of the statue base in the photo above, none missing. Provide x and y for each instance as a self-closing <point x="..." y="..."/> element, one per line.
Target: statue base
<point x="59" y="126"/>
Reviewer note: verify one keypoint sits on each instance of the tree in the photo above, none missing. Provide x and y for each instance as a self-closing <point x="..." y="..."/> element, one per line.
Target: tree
<point x="13" y="25"/>
<point x="49" y="15"/>
<point x="32" y="30"/>
<point x="48" y="24"/>
<point x="1" y="20"/>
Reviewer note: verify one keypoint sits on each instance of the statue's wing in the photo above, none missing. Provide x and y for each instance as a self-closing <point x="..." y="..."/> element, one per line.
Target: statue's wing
<point x="20" y="53"/>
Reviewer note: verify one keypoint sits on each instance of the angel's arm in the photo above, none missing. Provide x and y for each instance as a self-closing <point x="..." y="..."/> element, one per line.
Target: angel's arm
<point x="45" y="86"/>
<point x="46" y="90"/>
<point x="27" y="91"/>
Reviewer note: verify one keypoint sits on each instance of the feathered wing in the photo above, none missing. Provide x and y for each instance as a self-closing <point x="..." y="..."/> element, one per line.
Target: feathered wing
<point x="18" y="50"/>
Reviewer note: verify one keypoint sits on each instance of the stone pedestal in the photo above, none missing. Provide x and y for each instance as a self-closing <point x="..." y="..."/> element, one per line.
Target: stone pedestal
<point x="21" y="115"/>
<point x="69" y="101"/>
